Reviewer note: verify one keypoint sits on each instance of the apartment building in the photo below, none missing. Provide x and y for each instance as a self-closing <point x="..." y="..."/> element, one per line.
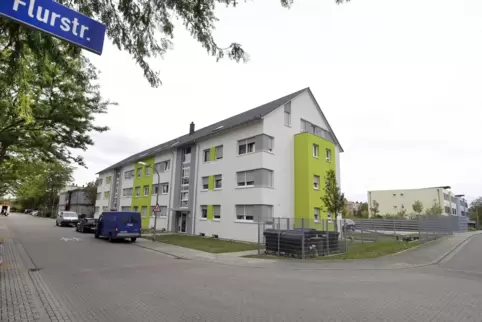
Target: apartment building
<point x="222" y="179"/>
<point x="74" y="198"/>
<point x="395" y="201"/>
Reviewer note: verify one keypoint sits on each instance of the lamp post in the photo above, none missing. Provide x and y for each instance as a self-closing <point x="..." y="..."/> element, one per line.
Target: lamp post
<point x="157" y="198"/>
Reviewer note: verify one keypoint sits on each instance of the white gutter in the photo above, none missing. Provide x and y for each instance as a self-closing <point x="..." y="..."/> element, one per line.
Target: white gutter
<point x="196" y="171"/>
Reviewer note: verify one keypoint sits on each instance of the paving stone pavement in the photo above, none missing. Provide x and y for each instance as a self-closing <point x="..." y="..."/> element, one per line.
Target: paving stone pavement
<point x="93" y="280"/>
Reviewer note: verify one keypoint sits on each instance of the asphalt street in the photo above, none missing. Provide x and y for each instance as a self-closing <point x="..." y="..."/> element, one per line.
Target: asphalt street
<point x="75" y="277"/>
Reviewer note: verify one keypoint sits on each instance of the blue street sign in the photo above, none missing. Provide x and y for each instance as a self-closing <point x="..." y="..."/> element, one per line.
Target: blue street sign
<point x="57" y="20"/>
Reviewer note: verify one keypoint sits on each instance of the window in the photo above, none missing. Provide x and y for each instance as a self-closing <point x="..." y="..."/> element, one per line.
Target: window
<point x="148" y="170"/>
<point x="107" y="180"/>
<point x="143" y="211"/>
<point x="316" y="215"/>
<point x="138" y="191"/>
<point x="401" y="194"/>
<point x="204" y="212"/>
<point x="106" y="195"/>
<point x="164" y="188"/>
<point x="205" y="183"/>
<point x="329" y="218"/>
<point x="328" y="155"/>
<point x="252" y="213"/>
<point x="163" y="166"/>
<point x="154" y="189"/>
<point x="127" y="192"/>
<point x="97" y="210"/>
<point x="185" y="172"/>
<point x="255" y="178"/>
<point x="146" y="190"/>
<point x="216" y="212"/>
<point x="129" y="174"/>
<point x="218" y="181"/>
<point x="245" y="178"/>
<point x="98" y="196"/>
<point x="126" y="208"/>
<point x="207" y="155"/>
<point x="316" y="150"/>
<point x="135" y="209"/>
<point x="184" y="196"/>
<point x="316" y="182"/>
<point x="288" y="114"/>
<point x="99" y="182"/>
<point x="246" y="146"/>
<point x="139" y="172"/>
<point x="219" y="152"/>
<point x="104" y="208"/>
<point x="244" y="213"/>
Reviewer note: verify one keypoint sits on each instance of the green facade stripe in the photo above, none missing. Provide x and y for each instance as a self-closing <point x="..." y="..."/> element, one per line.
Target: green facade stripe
<point x="306" y="166"/>
<point x="143" y="201"/>
<point x="210" y="212"/>
<point x="211" y="183"/>
<point x="212" y="154"/>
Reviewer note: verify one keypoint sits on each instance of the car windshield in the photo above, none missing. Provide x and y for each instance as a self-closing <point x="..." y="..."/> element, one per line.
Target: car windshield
<point x="69" y="214"/>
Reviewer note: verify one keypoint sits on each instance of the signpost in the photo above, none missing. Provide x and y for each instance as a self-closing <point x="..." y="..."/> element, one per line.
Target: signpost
<point x="157" y="209"/>
<point x="58" y="20"/>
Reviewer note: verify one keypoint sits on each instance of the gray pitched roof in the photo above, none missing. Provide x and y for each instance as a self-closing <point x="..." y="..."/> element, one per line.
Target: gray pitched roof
<point x="229" y="123"/>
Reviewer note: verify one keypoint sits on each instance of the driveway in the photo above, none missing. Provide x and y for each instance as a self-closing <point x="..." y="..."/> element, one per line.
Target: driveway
<point x="86" y="279"/>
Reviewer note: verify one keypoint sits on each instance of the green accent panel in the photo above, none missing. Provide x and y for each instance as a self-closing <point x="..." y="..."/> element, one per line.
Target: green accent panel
<point x="210" y="212"/>
<point x="212" y="154"/>
<point x="211" y="183"/>
<point x="143" y="201"/>
<point x="306" y="166"/>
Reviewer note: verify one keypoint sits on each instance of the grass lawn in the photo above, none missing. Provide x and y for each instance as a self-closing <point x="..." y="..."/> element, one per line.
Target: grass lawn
<point x="360" y="251"/>
<point x="206" y="244"/>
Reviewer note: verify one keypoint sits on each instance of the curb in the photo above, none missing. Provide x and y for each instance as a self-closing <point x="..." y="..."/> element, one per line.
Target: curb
<point x="445" y="256"/>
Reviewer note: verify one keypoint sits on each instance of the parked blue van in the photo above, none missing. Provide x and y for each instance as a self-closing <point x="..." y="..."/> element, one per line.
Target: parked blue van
<point x="119" y="225"/>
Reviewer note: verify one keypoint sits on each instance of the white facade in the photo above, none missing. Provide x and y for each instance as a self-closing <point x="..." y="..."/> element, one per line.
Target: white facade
<point x="275" y="159"/>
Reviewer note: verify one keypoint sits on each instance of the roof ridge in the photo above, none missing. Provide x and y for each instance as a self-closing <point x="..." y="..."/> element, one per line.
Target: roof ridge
<point x="230" y="122"/>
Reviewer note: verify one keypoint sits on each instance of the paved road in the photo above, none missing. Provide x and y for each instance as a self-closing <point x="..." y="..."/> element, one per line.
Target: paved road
<point x="93" y="280"/>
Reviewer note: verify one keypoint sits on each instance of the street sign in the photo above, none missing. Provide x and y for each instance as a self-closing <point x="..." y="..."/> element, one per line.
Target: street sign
<point x="58" y="20"/>
<point x="157" y="209"/>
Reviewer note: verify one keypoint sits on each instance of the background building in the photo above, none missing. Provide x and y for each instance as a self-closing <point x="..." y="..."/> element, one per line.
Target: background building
<point x="222" y="179"/>
<point x="75" y="198"/>
<point x="392" y="202"/>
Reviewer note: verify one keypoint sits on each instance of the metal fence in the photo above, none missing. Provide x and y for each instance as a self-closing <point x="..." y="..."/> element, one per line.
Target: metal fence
<point x="307" y="238"/>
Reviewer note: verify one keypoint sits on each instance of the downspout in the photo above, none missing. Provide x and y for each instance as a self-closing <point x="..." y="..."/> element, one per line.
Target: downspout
<point x="198" y="155"/>
<point x="170" y="193"/>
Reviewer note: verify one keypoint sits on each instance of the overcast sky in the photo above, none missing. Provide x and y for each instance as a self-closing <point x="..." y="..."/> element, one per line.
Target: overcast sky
<point x="399" y="81"/>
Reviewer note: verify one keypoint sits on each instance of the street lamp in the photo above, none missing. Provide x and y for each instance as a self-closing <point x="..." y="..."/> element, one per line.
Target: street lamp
<point x="157" y="198"/>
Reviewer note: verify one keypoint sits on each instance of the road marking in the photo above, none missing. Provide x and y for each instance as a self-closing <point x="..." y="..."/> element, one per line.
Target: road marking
<point x="73" y="238"/>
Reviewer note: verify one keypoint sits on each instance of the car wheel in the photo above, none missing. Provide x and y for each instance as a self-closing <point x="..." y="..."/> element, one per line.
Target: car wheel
<point x="96" y="234"/>
<point x="110" y="238"/>
<point x="133" y="239"/>
<point x="56" y="223"/>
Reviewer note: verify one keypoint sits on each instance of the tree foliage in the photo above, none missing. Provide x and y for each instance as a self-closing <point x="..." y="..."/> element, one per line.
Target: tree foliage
<point x="333" y="199"/>
<point x="375" y="208"/>
<point x="143" y="28"/>
<point x="91" y="192"/>
<point x="417" y="207"/>
<point x="435" y="210"/>
<point x="40" y="188"/>
<point x="46" y="108"/>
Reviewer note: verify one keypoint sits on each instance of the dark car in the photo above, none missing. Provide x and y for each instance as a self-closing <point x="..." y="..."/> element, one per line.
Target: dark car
<point x="86" y="224"/>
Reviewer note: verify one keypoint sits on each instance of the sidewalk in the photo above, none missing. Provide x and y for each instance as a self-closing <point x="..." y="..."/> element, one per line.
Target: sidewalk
<point x="427" y="254"/>
<point x="17" y="301"/>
